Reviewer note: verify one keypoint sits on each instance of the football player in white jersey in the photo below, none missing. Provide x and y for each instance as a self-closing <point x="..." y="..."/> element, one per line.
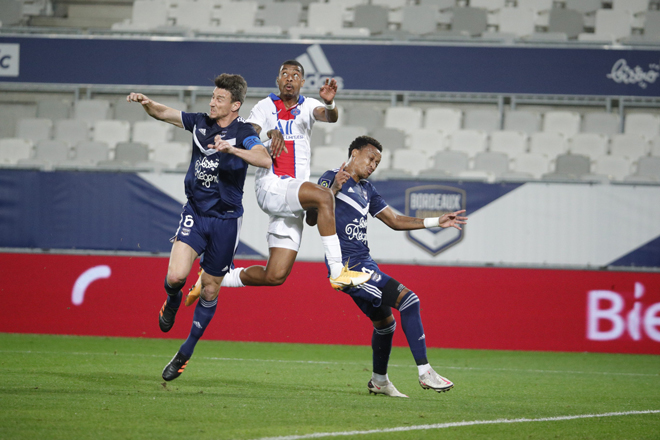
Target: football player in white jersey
<point x="284" y="192"/>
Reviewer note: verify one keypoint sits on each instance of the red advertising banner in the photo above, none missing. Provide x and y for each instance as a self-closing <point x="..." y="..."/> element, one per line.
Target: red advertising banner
<point x="479" y="308"/>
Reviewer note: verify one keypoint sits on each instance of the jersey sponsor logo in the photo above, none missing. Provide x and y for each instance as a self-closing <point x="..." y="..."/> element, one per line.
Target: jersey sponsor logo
<point x="203" y="169"/>
<point x="9" y="59"/>
<point x="622" y="73"/>
<point x="317" y="69"/>
<point x="434" y="201"/>
<point x="357" y="230"/>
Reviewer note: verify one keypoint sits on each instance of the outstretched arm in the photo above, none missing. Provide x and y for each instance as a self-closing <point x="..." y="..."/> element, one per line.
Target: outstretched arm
<point x="257" y="156"/>
<point x="329" y="113"/>
<point x="156" y="110"/>
<point x="405" y="223"/>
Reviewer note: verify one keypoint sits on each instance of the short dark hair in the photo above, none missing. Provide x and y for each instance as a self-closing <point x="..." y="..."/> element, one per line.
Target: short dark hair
<point x="362" y="141"/>
<point x="234" y="84"/>
<point x="294" y="63"/>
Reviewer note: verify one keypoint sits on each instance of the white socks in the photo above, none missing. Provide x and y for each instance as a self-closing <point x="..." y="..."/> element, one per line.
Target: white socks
<point x="380" y="378"/>
<point x="333" y="254"/>
<point x="423" y="368"/>
<point x="233" y="278"/>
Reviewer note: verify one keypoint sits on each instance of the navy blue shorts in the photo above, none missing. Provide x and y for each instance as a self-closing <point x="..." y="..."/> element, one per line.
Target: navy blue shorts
<point x="369" y="296"/>
<point x="216" y="238"/>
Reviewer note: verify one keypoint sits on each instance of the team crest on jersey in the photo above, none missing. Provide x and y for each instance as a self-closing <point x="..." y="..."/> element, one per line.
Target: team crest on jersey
<point x="295" y="111"/>
<point x="434" y="201"/>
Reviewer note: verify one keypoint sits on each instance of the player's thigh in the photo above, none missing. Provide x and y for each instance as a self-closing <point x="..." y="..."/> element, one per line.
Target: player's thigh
<point x="182" y="258"/>
<point x="280" y="261"/>
<point x="221" y="246"/>
<point x="280" y="197"/>
<point x="312" y="195"/>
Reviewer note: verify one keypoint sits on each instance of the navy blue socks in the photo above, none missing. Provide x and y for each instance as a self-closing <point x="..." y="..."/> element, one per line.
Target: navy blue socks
<point x="204" y="312"/>
<point x="411" y="322"/>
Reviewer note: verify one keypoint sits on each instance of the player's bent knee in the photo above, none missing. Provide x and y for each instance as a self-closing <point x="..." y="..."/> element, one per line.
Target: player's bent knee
<point x="175" y="282"/>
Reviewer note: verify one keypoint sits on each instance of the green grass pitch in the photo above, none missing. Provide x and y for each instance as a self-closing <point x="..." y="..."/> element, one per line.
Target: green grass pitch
<point x="66" y="387"/>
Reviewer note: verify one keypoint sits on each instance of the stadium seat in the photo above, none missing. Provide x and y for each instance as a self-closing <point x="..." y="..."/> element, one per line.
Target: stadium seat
<point x="54" y="109"/>
<point x="403" y="118"/>
<point x="443" y="5"/>
<point x="71" y="131"/>
<point x="519" y="21"/>
<point x="373" y="17"/>
<point x="385" y="162"/>
<point x="170" y="154"/>
<point x="443" y="119"/>
<point x="511" y="143"/>
<point x="584" y="6"/>
<point x="633" y="6"/>
<point x="239" y="16"/>
<point x="146" y="15"/>
<point x="47" y="154"/>
<point x="390" y="4"/>
<point x="11" y="12"/>
<point x="192" y="14"/>
<point x="85" y="155"/>
<point x="450" y="162"/>
<point x="327" y="158"/>
<point x="367" y="116"/>
<point x="424" y="139"/>
<point x="412" y="161"/>
<point x="151" y="132"/>
<point x="14" y="149"/>
<point x="648" y="166"/>
<point x="569" y="167"/>
<point x="489" y="5"/>
<point x="34" y="129"/>
<point x="283" y="15"/>
<point x="468" y="141"/>
<point x="111" y="132"/>
<point x="655" y="146"/>
<point x="322" y="19"/>
<point x="614" y="167"/>
<point x="343" y="136"/>
<point x="319" y="137"/>
<point x="536" y="5"/>
<point x="549" y="144"/>
<point x="469" y="21"/>
<point x="611" y="25"/>
<point x="522" y="120"/>
<point x="564" y="122"/>
<point x="390" y="138"/>
<point x="566" y="21"/>
<point x="91" y="110"/>
<point x="492" y="162"/>
<point x="645" y="124"/>
<point x="487" y="120"/>
<point x="600" y="122"/>
<point x="534" y="164"/>
<point x="420" y="19"/>
<point x="628" y="145"/>
<point x="129" y="156"/>
<point x="592" y="145"/>
<point x="652" y="25"/>
<point x="132" y="112"/>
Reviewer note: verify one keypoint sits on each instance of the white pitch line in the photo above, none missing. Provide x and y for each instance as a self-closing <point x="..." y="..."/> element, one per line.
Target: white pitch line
<point x="288" y="361"/>
<point x="456" y="424"/>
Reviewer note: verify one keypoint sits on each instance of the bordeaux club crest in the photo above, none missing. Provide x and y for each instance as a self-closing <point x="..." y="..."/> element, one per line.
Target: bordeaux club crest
<point x="434" y="201"/>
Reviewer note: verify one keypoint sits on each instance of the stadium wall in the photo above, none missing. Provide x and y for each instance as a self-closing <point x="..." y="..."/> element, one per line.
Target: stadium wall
<point x="462" y="307"/>
<point x="85" y="254"/>
<point x="421" y="67"/>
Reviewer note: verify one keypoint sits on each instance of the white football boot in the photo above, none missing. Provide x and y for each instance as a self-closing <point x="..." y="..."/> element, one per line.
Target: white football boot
<point x="388" y="389"/>
<point x="432" y="380"/>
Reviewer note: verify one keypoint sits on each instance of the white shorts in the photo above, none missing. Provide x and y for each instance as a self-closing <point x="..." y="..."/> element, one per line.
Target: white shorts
<point x="279" y="199"/>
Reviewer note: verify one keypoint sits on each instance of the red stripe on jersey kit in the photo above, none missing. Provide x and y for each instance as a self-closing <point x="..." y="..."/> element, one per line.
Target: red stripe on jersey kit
<point x="285" y="164"/>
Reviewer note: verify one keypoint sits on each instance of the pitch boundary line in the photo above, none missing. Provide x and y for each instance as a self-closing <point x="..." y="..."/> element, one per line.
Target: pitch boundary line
<point x="285" y="361"/>
<point x="456" y="424"/>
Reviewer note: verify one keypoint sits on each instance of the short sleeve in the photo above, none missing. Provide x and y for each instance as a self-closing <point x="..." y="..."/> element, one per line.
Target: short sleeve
<point x="376" y="201"/>
<point x="189" y="120"/>
<point x="259" y="116"/>
<point x="327" y="178"/>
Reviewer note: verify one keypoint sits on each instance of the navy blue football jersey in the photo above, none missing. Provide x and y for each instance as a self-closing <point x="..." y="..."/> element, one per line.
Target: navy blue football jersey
<point x="214" y="182"/>
<point x="352" y="204"/>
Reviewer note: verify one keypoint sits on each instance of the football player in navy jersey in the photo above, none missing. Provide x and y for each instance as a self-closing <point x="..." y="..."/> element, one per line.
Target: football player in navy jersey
<point x="223" y="145"/>
<point x="356" y="197"/>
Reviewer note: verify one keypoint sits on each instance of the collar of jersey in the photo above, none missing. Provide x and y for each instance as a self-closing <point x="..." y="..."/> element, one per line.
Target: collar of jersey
<point x="274" y="97"/>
